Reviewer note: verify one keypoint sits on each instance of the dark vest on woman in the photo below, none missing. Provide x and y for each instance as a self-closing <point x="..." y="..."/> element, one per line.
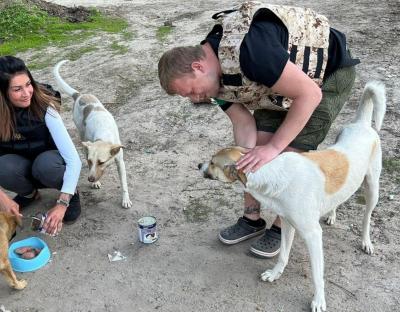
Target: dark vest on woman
<point x="31" y="138"/>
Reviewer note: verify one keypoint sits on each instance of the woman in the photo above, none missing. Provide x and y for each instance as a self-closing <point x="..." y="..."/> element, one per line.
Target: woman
<point x="36" y="150"/>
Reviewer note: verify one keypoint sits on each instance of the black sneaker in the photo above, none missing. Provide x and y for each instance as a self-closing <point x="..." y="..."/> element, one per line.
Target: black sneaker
<point x="240" y="231"/>
<point x="73" y="210"/>
<point x="269" y="244"/>
<point x="23" y="201"/>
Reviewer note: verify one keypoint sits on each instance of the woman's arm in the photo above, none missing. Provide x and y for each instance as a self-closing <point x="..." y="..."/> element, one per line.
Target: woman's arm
<point x="67" y="151"/>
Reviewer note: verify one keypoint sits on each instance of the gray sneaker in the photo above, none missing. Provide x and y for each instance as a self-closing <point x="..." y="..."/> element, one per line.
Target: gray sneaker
<point x="269" y="244"/>
<point x="240" y="231"/>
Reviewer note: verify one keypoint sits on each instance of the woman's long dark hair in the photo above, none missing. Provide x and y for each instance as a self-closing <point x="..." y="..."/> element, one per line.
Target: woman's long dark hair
<point x="9" y="67"/>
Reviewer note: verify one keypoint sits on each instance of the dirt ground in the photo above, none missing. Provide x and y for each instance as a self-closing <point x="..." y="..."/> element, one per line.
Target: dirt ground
<point x="188" y="269"/>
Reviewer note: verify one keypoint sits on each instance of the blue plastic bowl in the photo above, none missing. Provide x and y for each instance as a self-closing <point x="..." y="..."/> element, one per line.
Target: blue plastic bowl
<point x="28" y="265"/>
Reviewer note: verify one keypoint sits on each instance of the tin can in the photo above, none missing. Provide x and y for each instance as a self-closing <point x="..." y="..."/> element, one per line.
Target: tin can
<point x="38" y="221"/>
<point x="147" y="230"/>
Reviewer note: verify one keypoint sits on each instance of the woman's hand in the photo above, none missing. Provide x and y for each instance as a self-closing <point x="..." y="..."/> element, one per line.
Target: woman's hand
<point x="53" y="223"/>
<point x="257" y="157"/>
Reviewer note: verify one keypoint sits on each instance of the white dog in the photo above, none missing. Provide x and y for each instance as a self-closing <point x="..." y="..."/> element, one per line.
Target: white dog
<point x="96" y="126"/>
<point x="301" y="188"/>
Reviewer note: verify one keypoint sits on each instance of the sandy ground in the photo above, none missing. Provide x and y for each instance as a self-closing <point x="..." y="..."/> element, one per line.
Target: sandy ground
<point x="187" y="269"/>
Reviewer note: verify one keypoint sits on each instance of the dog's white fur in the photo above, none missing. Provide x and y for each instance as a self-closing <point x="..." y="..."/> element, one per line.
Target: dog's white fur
<point x="301" y="188"/>
<point x="97" y="126"/>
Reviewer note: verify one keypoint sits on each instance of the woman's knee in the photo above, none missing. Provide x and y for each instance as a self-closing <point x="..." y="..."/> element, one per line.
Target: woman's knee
<point x="14" y="165"/>
<point x="48" y="168"/>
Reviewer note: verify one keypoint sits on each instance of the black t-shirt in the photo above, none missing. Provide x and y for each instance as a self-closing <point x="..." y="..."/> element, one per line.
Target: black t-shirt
<point x="263" y="52"/>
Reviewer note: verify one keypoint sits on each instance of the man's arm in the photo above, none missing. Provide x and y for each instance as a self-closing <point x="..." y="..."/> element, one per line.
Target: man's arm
<point x="244" y="125"/>
<point x="306" y="95"/>
<point x="8" y="205"/>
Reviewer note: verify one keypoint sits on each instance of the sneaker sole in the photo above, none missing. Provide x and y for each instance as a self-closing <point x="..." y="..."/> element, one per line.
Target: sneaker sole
<point x="241" y="239"/>
<point x="264" y="254"/>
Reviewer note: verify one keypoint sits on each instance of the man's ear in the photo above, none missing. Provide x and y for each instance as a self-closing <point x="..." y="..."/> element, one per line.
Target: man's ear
<point x="233" y="174"/>
<point x="115" y="149"/>
<point x="196" y="65"/>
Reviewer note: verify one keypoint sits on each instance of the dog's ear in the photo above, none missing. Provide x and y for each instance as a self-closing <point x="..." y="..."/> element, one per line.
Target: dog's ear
<point x="233" y="174"/>
<point x="86" y="144"/>
<point x="115" y="149"/>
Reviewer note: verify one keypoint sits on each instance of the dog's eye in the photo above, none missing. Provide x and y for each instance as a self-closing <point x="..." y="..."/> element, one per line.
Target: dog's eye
<point x="100" y="162"/>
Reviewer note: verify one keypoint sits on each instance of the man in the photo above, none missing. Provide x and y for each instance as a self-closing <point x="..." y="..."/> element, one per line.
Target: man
<point x="8" y="205"/>
<point x="287" y="65"/>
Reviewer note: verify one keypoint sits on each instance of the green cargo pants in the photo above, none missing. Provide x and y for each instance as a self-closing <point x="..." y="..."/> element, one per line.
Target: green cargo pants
<point x="335" y="92"/>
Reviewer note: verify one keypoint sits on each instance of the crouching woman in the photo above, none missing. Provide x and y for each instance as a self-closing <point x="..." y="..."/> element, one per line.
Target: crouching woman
<point x="36" y="150"/>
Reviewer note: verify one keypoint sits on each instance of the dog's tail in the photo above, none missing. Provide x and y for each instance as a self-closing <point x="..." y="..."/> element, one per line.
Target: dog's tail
<point x="373" y="103"/>
<point x="61" y="83"/>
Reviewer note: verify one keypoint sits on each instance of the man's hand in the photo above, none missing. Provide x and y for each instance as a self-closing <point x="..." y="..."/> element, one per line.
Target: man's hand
<point x="257" y="157"/>
<point x="8" y="205"/>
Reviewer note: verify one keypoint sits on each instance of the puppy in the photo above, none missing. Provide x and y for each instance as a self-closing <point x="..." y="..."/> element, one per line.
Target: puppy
<point x="99" y="135"/>
<point x="8" y="225"/>
<point x="302" y="187"/>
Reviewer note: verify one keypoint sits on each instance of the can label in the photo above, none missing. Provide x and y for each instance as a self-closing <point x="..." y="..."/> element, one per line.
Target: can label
<point x="38" y="221"/>
<point x="147" y="230"/>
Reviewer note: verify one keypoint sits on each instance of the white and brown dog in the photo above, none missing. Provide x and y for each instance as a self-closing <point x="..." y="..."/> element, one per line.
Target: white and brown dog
<point x="99" y="134"/>
<point x="303" y="187"/>
<point x="8" y="225"/>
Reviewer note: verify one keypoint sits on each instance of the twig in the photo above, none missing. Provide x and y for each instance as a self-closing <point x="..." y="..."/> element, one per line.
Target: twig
<point x="344" y="289"/>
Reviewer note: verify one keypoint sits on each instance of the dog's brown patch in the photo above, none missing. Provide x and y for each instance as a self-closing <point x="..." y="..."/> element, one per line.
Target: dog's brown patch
<point x="91" y="108"/>
<point x="334" y="165"/>
<point x="86" y="99"/>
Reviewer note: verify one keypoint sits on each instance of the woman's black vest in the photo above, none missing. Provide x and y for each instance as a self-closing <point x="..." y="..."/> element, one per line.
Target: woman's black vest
<point x="31" y="138"/>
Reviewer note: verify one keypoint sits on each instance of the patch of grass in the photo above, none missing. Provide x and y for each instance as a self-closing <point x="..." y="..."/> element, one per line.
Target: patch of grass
<point x="392" y="165"/>
<point x="163" y="32"/>
<point x="197" y="211"/>
<point x="360" y="199"/>
<point x="118" y="49"/>
<point x="76" y="54"/>
<point x="23" y="28"/>
<point x="127" y="35"/>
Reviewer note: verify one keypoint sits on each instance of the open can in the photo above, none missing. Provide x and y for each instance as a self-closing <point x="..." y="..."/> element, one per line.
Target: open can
<point x="38" y="221"/>
<point x="147" y="230"/>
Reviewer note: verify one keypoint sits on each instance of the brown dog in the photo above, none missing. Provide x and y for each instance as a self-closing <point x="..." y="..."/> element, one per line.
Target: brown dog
<point x="8" y="225"/>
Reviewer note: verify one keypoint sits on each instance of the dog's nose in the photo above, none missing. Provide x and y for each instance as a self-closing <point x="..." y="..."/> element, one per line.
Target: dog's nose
<point x="199" y="166"/>
<point x="91" y="179"/>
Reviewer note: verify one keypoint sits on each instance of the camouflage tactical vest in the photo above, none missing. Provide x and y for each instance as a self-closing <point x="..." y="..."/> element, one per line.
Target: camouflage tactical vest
<point x="308" y="49"/>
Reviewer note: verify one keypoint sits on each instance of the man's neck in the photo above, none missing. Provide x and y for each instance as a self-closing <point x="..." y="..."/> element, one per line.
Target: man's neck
<point x="212" y="58"/>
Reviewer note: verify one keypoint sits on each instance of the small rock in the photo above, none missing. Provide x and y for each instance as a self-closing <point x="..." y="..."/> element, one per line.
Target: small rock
<point x="168" y="23"/>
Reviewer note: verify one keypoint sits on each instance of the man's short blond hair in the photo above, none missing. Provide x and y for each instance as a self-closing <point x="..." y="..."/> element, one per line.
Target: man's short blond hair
<point x="176" y="63"/>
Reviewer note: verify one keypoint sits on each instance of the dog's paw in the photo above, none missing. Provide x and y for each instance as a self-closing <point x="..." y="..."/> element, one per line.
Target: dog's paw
<point x="96" y="185"/>
<point x="126" y="203"/>
<point x="331" y="219"/>
<point x="270" y="275"/>
<point x="19" y="285"/>
<point x="318" y="304"/>
<point x="367" y="247"/>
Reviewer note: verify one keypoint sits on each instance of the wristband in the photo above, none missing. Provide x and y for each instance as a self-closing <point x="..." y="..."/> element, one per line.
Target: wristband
<point x="63" y="202"/>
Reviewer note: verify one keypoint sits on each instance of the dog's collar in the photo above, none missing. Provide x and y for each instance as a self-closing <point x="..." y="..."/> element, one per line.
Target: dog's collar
<point x="12" y="236"/>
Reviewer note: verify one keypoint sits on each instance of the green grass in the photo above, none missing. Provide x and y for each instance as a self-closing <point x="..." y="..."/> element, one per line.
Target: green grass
<point x="23" y="28"/>
<point x="118" y="49"/>
<point x="163" y="32"/>
<point x="392" y="165"/>
<point x="77" y="53"/>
